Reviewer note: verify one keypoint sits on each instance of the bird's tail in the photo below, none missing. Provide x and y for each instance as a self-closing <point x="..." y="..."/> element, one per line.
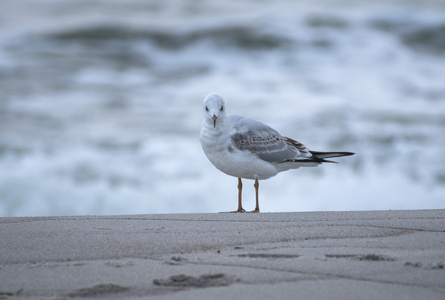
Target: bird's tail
<point x="322" y="155"/>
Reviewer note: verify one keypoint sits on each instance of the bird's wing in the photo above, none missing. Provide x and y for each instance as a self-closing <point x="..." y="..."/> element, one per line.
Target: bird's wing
<point x="264" y="141"/>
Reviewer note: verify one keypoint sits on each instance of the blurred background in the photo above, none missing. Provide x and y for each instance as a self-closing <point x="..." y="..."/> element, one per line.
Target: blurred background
<point x="100" y="102"/>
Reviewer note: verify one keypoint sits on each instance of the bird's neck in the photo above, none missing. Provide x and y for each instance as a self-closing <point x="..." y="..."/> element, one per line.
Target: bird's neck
<point x="220" y="129"/>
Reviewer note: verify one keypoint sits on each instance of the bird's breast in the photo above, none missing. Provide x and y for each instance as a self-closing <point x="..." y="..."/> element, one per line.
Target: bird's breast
<point x="234" y="162"/>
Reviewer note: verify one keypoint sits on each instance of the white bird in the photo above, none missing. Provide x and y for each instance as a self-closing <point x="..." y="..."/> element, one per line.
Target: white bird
<point x="245" y="148"/>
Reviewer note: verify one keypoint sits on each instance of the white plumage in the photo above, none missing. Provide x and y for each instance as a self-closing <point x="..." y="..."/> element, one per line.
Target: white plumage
<point x="245" y="148"/>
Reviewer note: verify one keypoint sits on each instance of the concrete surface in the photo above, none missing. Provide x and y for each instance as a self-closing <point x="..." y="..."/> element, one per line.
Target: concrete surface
<point x="320" y="255"/>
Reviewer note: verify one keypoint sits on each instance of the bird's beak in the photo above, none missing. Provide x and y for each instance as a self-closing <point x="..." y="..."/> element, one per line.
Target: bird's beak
<point x="214" y="120"/>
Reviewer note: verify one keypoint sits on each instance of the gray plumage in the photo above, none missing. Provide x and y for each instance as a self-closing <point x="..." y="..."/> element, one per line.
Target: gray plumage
<point x="271" y="146"/>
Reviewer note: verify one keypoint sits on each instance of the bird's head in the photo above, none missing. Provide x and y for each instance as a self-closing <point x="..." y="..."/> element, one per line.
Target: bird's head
<point x="213" y="108"/>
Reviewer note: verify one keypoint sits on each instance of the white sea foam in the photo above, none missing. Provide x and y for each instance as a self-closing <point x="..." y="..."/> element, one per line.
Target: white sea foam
<point x="100" y="114"/>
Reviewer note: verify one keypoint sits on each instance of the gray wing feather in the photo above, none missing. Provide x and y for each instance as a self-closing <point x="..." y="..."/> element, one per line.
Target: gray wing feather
<point x="262" y="140"/>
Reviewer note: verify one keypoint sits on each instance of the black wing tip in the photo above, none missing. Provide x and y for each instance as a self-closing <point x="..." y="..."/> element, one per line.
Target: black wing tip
<point x="322" y="155"/>
<point x="319" y="157"/>
<point x="345" y="154"/>
<point x="313" y="160"/>
<point x="328" y="161"/>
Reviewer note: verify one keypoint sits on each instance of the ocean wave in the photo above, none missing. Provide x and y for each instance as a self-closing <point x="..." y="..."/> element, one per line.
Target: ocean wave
<point x="103" y="117"/>
<point x="234" y="36"/>
<point x="417" y="35"/>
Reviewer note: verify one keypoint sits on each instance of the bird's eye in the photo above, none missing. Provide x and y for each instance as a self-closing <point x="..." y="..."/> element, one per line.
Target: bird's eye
<point x="207" y="109"/>
<point x="222" y="108"/>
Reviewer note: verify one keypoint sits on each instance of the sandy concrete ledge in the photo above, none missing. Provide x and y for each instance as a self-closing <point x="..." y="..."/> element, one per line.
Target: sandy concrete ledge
<point x="320" y="255"/>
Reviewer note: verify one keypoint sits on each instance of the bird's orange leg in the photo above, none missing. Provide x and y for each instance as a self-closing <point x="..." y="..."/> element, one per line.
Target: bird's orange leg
<point x="240" y="195"/>
<point x="257" y="207"/>
<point x="240" y="204"/>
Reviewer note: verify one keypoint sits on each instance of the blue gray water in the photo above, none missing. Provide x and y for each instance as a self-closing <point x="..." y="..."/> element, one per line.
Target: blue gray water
<point x="100" y="103"/>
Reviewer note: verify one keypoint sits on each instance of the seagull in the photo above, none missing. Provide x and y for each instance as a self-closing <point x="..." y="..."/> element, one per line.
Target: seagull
<point x="245" y="148"/>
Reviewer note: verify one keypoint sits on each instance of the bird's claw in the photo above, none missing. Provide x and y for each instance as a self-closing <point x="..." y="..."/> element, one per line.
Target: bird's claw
<point x="242" y="210"/>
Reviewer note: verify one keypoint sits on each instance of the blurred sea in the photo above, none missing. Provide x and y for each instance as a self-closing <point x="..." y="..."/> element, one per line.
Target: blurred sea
<point x="100" y="102"/>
